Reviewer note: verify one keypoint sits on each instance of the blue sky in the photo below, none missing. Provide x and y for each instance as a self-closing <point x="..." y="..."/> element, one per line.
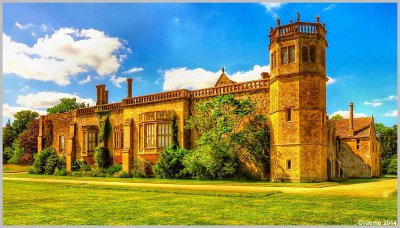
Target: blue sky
<point x="172" y="46"/>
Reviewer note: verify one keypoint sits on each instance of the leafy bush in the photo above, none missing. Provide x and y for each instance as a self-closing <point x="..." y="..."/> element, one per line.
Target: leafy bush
<point x="32" y="171"/>
<point x="98" y="173"/>
<point x="101" y="157"/>
<point x="80" y="165"/>
<point x="60" y="172"/>
<point x="7" y="154"/>
<point x="114" y="169"/>
<point x="41" y="158"/>
<point x="170" y="164"/>
<point x="141" y="168"/>
<point x="122" y="174"/>
<point x="51" y="164"/>
<point x="392" y="167"/>
<point x="17" y="153"/>
<point x="206" y="163"/>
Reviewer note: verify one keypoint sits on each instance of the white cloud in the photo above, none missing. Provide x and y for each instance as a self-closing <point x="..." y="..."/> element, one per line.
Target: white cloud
<point x="9" y="111"/>
<point x="48" y="99"/>
<point x="254" y="74"/>
<point x="272" y="7"/>
<point x="84" y="81"/>
<point x="43" y="27"/>
<point x="24" y="88"/>
<point x="133" y="70"/>
<point x="184" y="78"/>
<point x="62" y="55"/>
<point x="380" y="101"/>
<point x="158" y="80"/>
<point x="391" y="113"/>
<point x="117" y="80"/>
<point x="331" y="81"/>
<point x="331" y="6"/>
<point x="23" y="27"/>
<point x="345" y="114"/>
<point x="373" y="103"/>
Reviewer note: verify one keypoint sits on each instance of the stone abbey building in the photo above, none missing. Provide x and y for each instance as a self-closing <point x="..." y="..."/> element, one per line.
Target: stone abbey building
<point x="305" y="144"/>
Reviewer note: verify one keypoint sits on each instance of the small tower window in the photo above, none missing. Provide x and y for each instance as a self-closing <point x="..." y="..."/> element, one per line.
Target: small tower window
<point x="312" y="54"/>
<point x="273" y="60"/>
<point x="304" y="54"/>
<point x="358" y="144"/>
<point x="284" y="55"/>
<point x="291" y="54"/>
<point x="288" y="164"/>
<point x="289" y="114"/>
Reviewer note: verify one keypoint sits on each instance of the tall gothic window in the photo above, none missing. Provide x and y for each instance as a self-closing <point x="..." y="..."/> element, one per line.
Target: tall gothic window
<point x="89" y="142"/>
<point x="289" y="114"/>
<point x="273" y="60"/>
<point x="92" y="141"/>
<point x="304" y="54"/>
<point x="312" y="54"/>
<point x="284" y="55"/>
<point x="291" y="54"/>
<point x="61" y="144"/>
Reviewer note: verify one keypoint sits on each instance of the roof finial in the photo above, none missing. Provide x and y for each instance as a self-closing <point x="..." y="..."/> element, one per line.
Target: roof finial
<point x="298" y="17"/>
<point x="278" y="22"/>
<point x="317" y="18"/>
<point x="223" y="70"/>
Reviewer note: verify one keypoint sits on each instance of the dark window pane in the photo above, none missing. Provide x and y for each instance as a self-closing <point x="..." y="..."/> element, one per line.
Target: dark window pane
<point x="304" y="54"/>
<point x="312" y="54"/>
<point x="291" y="54"/>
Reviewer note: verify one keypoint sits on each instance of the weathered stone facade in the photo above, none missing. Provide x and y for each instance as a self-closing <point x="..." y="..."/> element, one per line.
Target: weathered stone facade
<point x="304" y="143"/>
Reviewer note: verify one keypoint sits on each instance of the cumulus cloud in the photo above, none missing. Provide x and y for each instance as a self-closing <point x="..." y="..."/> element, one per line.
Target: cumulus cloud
<point x="117" y="80"/>
<point x="391" y="113"/>
<point x="133" y="70"/>
<point x="24" y="88"/>
<point x="184" y="78"/>
<point x="48" y="99"/>
<point x="9" y="111"/>
<point x="345" y="114"/>
<point x="331" y="6"/>
<point x="380" y="101"/>
<point x="62" y="55"/>
<point x="23" y="27"/>
<point x="84" y="81"/>
<point x="272" y="7"/>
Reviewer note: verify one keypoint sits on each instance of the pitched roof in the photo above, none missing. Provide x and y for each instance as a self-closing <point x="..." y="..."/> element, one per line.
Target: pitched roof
<point x="362" y="127"/>
<point x="223" y="80"/>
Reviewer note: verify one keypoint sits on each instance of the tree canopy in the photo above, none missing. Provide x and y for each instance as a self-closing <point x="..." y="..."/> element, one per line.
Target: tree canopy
<point x="66" y="105"/>
<point x="336" y="117"/>
<point x="22" y="119"/>
<point x="387" y="137"/>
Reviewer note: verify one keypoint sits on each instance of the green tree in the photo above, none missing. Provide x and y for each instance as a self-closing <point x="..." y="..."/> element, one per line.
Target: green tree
<point x="336" y="117"/>
<point x="387" y="137"/>
<point x="21" y="121"/>
<point x="8" y="135"/>
<point x="66" y="105"/>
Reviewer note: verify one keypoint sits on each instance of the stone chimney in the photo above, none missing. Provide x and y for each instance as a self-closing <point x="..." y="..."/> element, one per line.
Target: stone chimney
<point x="129" y="81"/>
<point x="101" y="94"/>
<point x="351" y="118"/>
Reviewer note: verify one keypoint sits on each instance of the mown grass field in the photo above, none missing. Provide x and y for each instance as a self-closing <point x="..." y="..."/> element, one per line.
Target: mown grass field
<point x="35" y="203"/>
<point x="15" y="168"/>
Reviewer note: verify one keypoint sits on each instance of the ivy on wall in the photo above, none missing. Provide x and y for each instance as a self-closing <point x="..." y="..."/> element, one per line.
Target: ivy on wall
<point x="105" y="127"/>
<point x="174" y="131"/>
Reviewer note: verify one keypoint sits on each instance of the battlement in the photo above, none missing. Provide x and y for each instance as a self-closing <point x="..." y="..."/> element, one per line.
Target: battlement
<point x="298" y="29"/>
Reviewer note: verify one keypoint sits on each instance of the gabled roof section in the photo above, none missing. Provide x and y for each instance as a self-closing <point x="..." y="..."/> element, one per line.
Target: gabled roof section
<point x="362" y="127"/>
<point x="223" y="79"/>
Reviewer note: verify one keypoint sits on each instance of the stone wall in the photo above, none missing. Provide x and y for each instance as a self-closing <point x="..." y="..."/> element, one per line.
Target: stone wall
<point x="351" y="163"/>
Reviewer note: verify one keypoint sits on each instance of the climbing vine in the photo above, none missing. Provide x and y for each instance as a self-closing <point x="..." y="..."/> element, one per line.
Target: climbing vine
<point x="105" y="127"/>
<point x="174" y="131"/>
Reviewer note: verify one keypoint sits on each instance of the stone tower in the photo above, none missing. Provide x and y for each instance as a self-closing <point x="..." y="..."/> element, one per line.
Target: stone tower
<point x="298" y="101"/>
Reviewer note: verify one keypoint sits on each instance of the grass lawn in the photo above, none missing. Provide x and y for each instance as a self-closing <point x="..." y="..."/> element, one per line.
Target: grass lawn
<point x="28" y="203"/>
<point x="12" y="168"/>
